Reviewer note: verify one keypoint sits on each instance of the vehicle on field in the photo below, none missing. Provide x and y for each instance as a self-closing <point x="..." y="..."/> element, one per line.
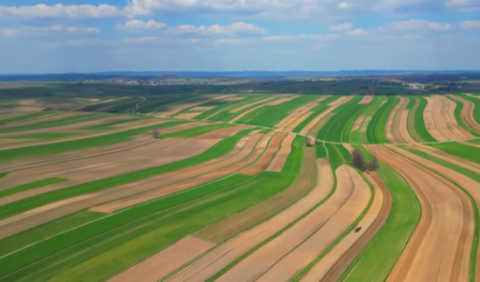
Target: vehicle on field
<point x="357" y="228"/>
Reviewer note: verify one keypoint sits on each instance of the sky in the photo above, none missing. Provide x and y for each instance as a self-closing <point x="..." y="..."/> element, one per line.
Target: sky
<point x="237" y="35"/>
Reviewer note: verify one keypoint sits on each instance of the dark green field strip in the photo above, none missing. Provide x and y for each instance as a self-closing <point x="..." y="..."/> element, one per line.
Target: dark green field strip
<point x="411" y="103"/>
<point x="302" y="273"/>
<point x="3" y="174"/>
<point x="189" y="133"/>
<point x="220" y="149"/>
<point x="467" y="152"/>
<point x="376" y="260"/>
<point x="322" y="106"/>
<point x="118" y="122"/>
<point x="420" y="123"/>
<point x="94" y="107"/>
<point x="125" y="107"/>
<point x="227" y="115"/>
<point x="368" y="111"/>
<point x="227" y="106"/>
<point x="376" y="128"/>
<point x="21" y="117"/>
<point x="335" y="128"/>
<point x="160" y="103"/>
<point x="30" y="186"/>
<point x="473" y="175"/>
<point x="476" y="110"/>
<point x="210" y="103"/>
<point x="46" y="231"/>
<point x="76" y="145"/>
<point x="271" y="115"/>
<point x="115" y="248"/>
<point x="321" y="151"/>
<point x="459" y="119"/>
<point x="411" y="119"/>
<point x="337" y="154"/>
<point x="51" y="135"/>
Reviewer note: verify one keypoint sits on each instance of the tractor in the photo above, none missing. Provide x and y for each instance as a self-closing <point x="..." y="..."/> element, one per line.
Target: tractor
<point x="357" y="228"/>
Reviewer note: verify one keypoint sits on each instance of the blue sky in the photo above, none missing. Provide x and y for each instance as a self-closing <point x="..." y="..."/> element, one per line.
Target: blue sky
<point x="229" y="35"/>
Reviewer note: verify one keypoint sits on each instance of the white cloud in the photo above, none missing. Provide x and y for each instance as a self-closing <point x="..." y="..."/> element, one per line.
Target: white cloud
<point x="342" y="27"/>
<point x="229" y="30"/>
<point x="28" y="30"/>
<point x="158" y="39"/>
<point x="138" y="25"/>
<point x="343" y="5"/>
<point x="457" y="3"/>
<point x="412" y="25"/>
<point x="232" y="41"/>
<point x="59" y="11"/>
<point x="470" y="24"/>
<point x="325" y="37"/>
<point x="357" y="32"/>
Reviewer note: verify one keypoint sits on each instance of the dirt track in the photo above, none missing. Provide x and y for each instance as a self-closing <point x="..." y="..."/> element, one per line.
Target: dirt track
<point x="280" y="159"/>
<point x="291" y="252"/>
<point x="217" y="259"/>
<point x="444" y="207"/>
<point x="334" y="264"/>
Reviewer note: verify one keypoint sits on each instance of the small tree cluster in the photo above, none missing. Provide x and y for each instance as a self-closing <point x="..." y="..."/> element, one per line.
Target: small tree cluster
<point x="359" y="162"/>
<point x="155" y="133"/>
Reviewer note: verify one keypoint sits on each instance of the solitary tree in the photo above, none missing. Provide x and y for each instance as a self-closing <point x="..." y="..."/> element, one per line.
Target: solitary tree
<point x="155" y="133"/>
<point x="372" y="164"/>
<point x="358" y="160"/>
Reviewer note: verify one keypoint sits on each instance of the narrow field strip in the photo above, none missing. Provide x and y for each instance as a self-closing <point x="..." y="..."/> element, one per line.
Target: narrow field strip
<point x="376" y="260"/>
<point x="281" y="157"/>
<point x="267" y="158"/>
<point x="303" y="242"/>
<point x="466" y="113"/>
<point x="30" y="186"/>
<point x="229" y="253"/>
<point x="443" y="206"/>
<point x="189" y="133"/>
<point x="396" y="119"/>
<point x="366" y="100"/>
<point x="417" y="127"/>
<point x="297" y="116"/>
<point x="358" y="123"/>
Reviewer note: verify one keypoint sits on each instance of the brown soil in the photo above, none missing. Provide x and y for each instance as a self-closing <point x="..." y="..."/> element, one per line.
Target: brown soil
<point x="267" y="158"/>
<point x="298" y="115"/>
<point x="202" y="109"/>
<point x="188" y="115"/>
<point x="182" y="105"/>
<point x="366" y="100"/>
<point x="281" y="101"/>
<point x="298" y="121"/>
<point x="335" y="263"/>
<point x="358" y="123"/>
<point x="194" y="177"/>
<point x="393" y="122"/>
<point x="235" y="119"/>
<point x="241" y="108"/>
<point x="241" y="221"/>
<point x="444" y="207"/>
<point x="403" y="128"/>
<point x="307" y="130"/>
<point x="292" y="251"/>
<point x="467" y="113"/>
<point x="211" y="263"/>
<point x="473" y="166"/>
<point x="165" y="261"/>
<point x="280" y="159"/>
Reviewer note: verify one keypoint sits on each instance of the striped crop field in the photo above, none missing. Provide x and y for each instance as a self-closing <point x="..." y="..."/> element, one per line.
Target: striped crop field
<point x="241" y="187"/>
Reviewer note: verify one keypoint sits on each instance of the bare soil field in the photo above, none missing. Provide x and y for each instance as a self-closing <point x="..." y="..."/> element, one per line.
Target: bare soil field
<point x="358" y="123"/>
<point x="209" y="264"/>
<point x="280" y="159"/>
<point x="366" y="100"/>
<point x="267" y="158"/>
<point x="180" y="106"/>
<point x="467" y="113"/>
<point x="393" y="121"/>
<point x="443" y="208"/>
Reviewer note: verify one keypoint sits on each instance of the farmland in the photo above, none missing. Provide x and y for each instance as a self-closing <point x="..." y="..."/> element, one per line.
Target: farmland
<point x="239" y="187"/>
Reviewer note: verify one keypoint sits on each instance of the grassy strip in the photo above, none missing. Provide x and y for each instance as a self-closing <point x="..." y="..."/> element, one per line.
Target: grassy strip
<point x="476" y="110"/>
<point x="118" y="122"/>
<point x="188" y="133"/>
<point x="342" y="236"/>
<point x="322" y="106"/>
<point x="117" y="249"/>
<point x="227" y="115"/>
<point x="376" y="260"/>
<point x="338" y="155"/>
<point x="220" y="149"/>
<point x="376" y="128"/>
<point x="226" y="107"/>
<point x="22" y="117"/>
<point x="335" y="128"/>
<point x="164" y="103"/>
<point x="76" y="145"/>
<point x="411" y="103"/>
<point x="458" y="116"/>
<point x="470" y="174"/>
<point x="368" y="110"/>
<point x="321" y="150"/>
<point x="30" y="186"/>
<point x="45" y="135"/>
<point x="471" y="153"/>
<point x="3" y="174"/>
<point x="271" y="115"/>
<point x="420" y="127"/>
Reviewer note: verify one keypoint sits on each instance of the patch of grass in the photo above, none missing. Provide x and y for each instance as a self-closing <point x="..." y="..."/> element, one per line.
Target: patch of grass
<point x="189" y="133"/>
<point x="76" y="145"/>
<point x="30" y="186"/>
<point x="321" y="151"/>
<point x="227" y="115"/>
<point x="476" y="110"/>
<point x="420" y="128"/>
<point x="50" y="135"/>
<point x="376" y="260"/>
<point x="3" y="174"/>
<point x="338" y="155"/>
<point x="218" y="150"/>
<point x="22" y="117"/>
<point x="467" y="152"/>
<point x="368" y="110"/>
<point x="376" y="129"/>
<point x="458" y="116"/>
<point x="110" y="124"/>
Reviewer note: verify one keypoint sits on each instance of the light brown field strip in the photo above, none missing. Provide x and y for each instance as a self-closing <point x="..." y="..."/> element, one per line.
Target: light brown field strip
<point x="473" y="166"/>
<point x="267" y="158"/>
<point x="228" y="168"/>
<point x="298" y="115"/>
<point x="334" y="264"/>
<point x="366" y="100"/>
<point x="209" y="264"/>
<point x="188" y="115"/>
<point x="241" y="108"/>
<point x="185" y="104"/>
<point x="104" y="196"/>
<point x="202" y="109"/>
<point x="358" y="123"/>
<point x="281" y="101"/>
<point x="292" y="251"/>
<point x="390" y="121"/>
<point x="404" y="134"/>
<point x="165" y="261"/>
<point x="272" y="103"/>
<point x="280" y="159"/>
<point x="444" y="207"/>
<point x="467" y="113"/>
<point x="335" y="104"/>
